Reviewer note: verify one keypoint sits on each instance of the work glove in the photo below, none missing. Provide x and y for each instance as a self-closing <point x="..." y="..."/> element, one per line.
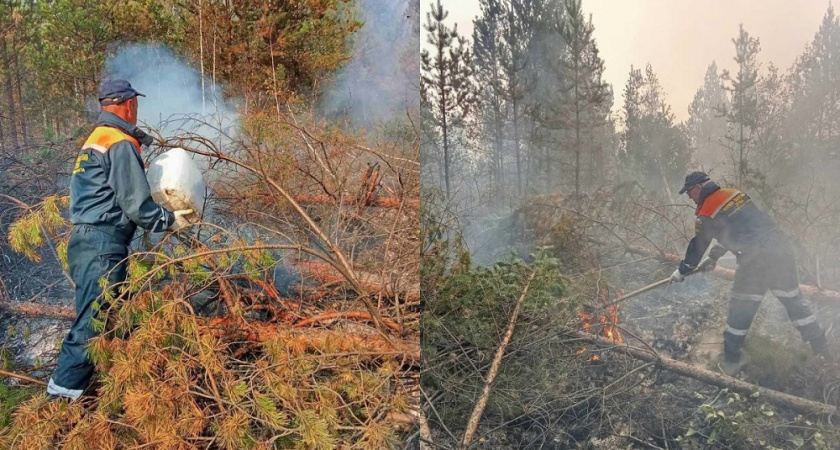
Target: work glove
<point x="181" y="220"/>
<point x="676" y="277"/>
<point x="146" y="140"/>
<point x="717" y="251"/>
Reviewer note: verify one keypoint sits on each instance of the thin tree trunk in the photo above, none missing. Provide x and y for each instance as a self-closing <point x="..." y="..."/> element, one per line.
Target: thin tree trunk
<point x="446" y="154"/>
<point x="478" y="410"/>
<point x="665" y="183"/>
<point x="499" y="138"/>
<point x="10" y="97"/>
<point x="21" y="111"/>
<point x="516" y="146"/>
<point x="201" y="51"/>
<point x="577" y="151"/>
<point x="2" y="135"/>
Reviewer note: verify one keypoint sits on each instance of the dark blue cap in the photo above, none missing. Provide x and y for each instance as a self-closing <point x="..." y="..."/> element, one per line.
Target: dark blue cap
<point x="112" y="92"/>
<point x="692" y="179"/>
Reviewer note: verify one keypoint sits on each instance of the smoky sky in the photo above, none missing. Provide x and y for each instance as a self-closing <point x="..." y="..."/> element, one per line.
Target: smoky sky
<point x="680" y="38"/>
<point x="381" y="79"/>
<point x="173" y="90"/>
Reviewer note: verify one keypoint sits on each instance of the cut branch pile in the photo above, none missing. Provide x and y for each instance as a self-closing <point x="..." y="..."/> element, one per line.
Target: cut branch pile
<point x="199" y="350"/>
<point x="172" y="379"/>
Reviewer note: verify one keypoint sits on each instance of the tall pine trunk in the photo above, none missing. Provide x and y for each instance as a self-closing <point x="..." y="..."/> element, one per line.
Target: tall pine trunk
<point x="21" y="111"/>
<point x="10" y="98"/>
<point x="516" y="146"/>
<point x="577" y="141"/>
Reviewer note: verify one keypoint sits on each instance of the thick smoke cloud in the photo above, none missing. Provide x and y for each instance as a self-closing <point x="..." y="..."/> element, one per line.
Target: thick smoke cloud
<point x="381" y="81"/>
<point x="173" y="91"/>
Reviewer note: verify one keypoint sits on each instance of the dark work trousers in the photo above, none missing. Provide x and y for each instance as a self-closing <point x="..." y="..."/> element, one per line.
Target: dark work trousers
<point x="769" y="266"/>
<point x="92" y="253"/>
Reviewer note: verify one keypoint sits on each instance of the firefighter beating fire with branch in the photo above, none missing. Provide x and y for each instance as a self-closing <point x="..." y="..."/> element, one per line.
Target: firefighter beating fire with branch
<point x="765" y="259"/>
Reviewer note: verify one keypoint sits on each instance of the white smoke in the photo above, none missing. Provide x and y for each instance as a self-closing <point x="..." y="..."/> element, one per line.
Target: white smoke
<point x="175" y="99"/>
<point x="381" y="81"/>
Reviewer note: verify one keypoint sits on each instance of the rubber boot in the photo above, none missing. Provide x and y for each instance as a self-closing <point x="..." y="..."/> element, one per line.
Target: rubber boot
<point x="732" y="365"/>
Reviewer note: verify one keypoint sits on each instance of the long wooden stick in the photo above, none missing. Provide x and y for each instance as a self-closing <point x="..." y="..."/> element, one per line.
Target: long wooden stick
<point x="478" y="410"/>
<point x="727" y="274"/>
<point x="22" y="377"/>
<point x="652" y="286"/>
<point x="798" y="404"/>
<point x="639" y="291"/>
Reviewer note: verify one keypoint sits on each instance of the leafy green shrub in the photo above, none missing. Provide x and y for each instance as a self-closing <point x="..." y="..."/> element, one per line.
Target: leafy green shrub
<point x="463" y="325"/>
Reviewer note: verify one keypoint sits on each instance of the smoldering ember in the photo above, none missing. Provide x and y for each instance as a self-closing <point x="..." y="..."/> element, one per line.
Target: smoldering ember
<point x="630" y="225"/>
<point x="209" y="222"/>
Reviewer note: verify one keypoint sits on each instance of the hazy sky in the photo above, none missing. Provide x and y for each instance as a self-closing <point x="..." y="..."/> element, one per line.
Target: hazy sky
<point x="680" y="38"/>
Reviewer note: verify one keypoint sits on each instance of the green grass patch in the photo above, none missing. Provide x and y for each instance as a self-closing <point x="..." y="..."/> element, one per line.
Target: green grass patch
<point x="10" y="397"/>
<point x="771" y="364"/>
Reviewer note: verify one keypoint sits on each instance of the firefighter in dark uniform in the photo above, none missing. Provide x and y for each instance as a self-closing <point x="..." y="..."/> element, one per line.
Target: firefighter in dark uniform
<point x="765" y="260"/>
<point x="109" y="199"/>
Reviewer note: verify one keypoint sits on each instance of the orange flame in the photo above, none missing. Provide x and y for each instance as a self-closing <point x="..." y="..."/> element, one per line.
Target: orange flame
<point x="608" y="326"/>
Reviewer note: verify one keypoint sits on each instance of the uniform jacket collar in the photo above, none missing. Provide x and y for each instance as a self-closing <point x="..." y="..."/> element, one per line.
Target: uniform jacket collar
<point x="112" y="120"/>
<point x="706" y="191"/>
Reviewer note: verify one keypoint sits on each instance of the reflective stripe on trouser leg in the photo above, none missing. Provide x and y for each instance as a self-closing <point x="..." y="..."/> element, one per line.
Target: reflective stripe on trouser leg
<point x="800" y="313"/>
<point x="91" y="255"/>
<point x="54" y="389"/>
<point x="741" y="314"/>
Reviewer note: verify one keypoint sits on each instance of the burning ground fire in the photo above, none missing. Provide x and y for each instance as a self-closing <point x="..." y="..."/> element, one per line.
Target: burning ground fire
<point x="606" y="326"/>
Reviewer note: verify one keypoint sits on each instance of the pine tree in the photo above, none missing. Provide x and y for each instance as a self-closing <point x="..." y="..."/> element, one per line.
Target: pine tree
<point x="706" y="126"/>
<point x="632" y="112"/>
<point x="815" y="90"/>
<point x="447" y="84"/>
<point x="742" y="113"/>
<point x="655" y="149"/>
<point x="543" y="92"/>
<point x="518" y="33"/>
<point x="489" y="50"/>
<point x="586" y="91"/>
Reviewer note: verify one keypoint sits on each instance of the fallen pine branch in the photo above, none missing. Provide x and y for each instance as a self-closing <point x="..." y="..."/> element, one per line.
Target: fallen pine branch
<point x="355" y="340"/>
<point x="798" y="404"/>
<point x="478" y="409"/>
<point x="29" y="309"/>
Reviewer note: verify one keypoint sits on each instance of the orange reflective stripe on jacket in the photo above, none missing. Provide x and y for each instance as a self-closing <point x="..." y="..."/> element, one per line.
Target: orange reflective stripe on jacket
<point x="103" y="138"/>
<point x="716" y="201"/>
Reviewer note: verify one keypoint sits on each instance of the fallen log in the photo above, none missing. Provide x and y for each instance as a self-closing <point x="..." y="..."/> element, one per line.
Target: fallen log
<point x="29" y="309"/>
<point x="727" y="274"/>
<point x="372" y="283"/>
<point x="798" y="404"/>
